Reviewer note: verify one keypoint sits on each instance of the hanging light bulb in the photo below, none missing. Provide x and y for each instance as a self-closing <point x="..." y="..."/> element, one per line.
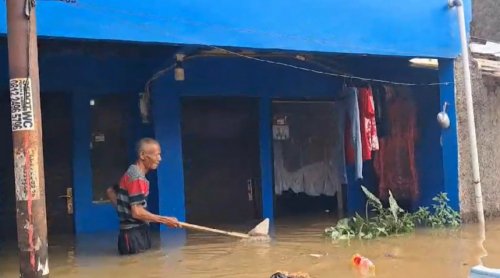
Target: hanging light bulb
<point x="179" y="70"/>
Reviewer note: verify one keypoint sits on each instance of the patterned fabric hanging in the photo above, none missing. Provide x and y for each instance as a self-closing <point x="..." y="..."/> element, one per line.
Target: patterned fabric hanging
<point x="395" y="161"/>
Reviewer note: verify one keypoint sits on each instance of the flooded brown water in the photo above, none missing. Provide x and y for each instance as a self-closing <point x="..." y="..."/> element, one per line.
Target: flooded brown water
<point x="427" y="253"/>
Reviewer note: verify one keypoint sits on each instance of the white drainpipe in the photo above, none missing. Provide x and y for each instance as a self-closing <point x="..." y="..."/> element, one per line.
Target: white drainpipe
<point x="470" y="109"/>
<point x="478" y="271"/>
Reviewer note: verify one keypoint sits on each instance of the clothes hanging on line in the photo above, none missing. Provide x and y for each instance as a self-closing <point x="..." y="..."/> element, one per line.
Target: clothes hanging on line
<point x="368" y="127"/>
<point x="349" y="125"/>
<point x="395" y="163"/>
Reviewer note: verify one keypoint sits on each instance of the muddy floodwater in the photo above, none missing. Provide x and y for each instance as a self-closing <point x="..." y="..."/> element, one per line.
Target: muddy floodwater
<point x="296" y="246"/>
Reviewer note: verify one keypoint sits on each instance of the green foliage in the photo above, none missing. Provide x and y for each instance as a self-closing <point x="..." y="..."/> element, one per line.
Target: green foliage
<point x="443" y="216"/>
<point x="393" y="220"/>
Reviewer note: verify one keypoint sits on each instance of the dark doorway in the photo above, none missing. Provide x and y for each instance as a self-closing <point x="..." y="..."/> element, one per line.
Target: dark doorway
<point x="7" y="188"/>
<point x="109" y="147"/>
<point x="221" y="160"/>
<point x="57" y="146"/>
<point x="57" y="122"/>
<point x="307" y="150"/>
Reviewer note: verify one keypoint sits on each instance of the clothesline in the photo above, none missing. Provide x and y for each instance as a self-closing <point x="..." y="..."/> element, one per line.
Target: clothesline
<point x="346" y="76"/>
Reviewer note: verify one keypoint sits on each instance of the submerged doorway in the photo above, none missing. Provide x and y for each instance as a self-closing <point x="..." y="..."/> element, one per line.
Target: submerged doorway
<point x="57" y="118"/>
<point x="57" y="124"/>
<point x="220" y="140"/>
<point x="306" y="168"/>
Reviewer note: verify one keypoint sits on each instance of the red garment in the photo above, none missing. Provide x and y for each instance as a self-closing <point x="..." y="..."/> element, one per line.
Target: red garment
<point x="395" y="161"/>
<point x="367" y="108"/>
<point x="368" y="127"/>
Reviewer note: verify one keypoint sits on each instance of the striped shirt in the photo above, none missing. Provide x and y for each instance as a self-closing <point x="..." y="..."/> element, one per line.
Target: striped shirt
<point x="133" y="190"/>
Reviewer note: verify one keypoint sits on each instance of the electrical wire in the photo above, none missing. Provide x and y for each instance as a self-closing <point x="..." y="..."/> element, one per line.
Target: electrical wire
<point x="247" y="31"/>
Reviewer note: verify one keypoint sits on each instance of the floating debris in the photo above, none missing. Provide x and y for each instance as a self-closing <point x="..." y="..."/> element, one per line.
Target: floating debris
<point x="284" y="274"/>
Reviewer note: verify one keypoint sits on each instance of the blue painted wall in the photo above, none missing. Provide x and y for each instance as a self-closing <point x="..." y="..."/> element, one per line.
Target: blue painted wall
<point x="229" y="76"/>
<point x="85" y="69"/>
<point x="167" y="125"/>
<point x="234" y="76"/>
<point x="408" y="28"/>
<point x="216" y="76"/>
<point x="89" y="216"/>
<point x="119" y="70"/>
<point x="429" y="154"/>
<point x="450" y="136"/>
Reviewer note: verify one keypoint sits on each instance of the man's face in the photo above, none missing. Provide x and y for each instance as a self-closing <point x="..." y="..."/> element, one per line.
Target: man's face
<point x="151" y="156"/>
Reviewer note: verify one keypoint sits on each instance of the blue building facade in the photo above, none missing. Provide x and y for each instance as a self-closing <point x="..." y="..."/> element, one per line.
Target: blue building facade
<point x="93" y="49"/>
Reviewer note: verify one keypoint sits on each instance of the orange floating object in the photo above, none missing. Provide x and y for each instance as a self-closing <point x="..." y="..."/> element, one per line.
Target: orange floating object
<point x="364" y="265"/>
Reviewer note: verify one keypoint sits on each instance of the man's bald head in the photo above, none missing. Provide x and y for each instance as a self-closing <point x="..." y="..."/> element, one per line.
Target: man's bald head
<point x="144" y="144"/>
<point x="148" y="153"/>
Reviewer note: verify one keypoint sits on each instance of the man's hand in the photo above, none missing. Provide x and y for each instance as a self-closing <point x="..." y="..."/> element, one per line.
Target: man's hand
<point x="170" y="221"/>
<point x="111" y="192"/>
<point x="140" y="213"/>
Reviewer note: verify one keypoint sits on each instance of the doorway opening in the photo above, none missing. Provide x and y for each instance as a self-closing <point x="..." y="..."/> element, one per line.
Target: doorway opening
<point x="221" y="160"/>
<point x="308" y="173"/>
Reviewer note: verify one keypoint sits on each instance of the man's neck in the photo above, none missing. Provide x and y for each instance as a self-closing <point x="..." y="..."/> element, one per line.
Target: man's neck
<point x="142" y="167"/>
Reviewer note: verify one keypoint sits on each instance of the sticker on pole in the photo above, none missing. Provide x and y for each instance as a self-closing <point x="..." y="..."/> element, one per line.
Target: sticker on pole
<point x="21" y="103"/>
<point x="26" y="174"/>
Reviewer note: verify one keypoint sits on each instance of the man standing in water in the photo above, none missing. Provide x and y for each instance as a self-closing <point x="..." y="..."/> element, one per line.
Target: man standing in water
<point x="129" y="198"/>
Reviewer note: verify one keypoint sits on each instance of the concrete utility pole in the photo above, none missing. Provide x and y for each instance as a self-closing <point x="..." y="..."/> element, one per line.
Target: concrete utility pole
<point x="27" y="138"/>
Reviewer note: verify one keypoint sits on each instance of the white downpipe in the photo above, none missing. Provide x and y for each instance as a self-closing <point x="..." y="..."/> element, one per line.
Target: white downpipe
<point x="473" y="141"/>
<point x="470" y="110"/>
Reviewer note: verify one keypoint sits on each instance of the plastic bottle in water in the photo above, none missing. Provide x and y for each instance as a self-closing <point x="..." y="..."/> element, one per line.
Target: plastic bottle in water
<point x="363" y="265"/>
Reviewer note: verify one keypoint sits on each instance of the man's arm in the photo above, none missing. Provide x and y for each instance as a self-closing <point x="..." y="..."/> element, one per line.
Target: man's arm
<point x="111" y="192"/>
<point x="140" y="213"/>
<point x="137" y="196"/>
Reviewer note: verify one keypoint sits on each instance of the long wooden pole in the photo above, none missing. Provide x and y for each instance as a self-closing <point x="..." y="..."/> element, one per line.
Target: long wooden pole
<point x="211" y="230"/>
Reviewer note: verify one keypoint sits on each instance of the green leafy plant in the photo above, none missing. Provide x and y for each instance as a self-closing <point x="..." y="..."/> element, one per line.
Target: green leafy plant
<point x="392" y="220"/>
<point x="443" y="215"/>
<point x="383" y="222"/>
<point x="341" y="231"/>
